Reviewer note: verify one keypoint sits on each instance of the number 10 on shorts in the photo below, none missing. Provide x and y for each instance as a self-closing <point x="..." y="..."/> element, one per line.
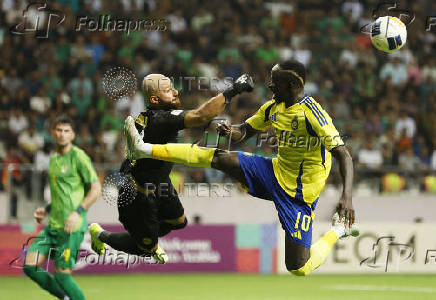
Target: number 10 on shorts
<point x="305" y="222"/>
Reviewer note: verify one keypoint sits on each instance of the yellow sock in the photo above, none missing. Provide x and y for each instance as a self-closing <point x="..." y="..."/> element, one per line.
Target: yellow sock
<point x="190" y="155"/>
<point x="318" y="253"/>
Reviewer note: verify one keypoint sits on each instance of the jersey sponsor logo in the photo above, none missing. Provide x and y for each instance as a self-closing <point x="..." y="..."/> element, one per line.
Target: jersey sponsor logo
<point x="176" y="112"/>
<point x="294" y="123"/>
<point x="274" y="117"/>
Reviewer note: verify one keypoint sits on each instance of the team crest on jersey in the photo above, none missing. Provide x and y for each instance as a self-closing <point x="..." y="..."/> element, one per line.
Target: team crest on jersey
<point x="147" y="241"/>
<point x="294" y="123"/>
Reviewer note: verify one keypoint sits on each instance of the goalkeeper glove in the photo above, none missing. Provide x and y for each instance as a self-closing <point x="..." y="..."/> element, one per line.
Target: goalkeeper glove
<point x="243" y="84"/>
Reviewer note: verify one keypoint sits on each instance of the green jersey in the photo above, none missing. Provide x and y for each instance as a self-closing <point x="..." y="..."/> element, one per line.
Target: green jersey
<point x="70" y="175"/>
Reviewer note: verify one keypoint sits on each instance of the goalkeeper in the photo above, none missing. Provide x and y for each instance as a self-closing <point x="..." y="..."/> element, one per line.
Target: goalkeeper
<point x="153" y="212"/>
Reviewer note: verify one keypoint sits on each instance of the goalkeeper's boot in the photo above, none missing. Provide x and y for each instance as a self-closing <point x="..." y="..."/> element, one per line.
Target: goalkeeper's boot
<point x="96" y="245"/>
<point x="160" y="256"/>
<point x="338" y="225"/>
<point x="136" y="148"/>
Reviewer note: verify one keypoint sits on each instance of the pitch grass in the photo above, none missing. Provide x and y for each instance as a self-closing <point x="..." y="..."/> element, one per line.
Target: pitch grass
<point x="235" y="286"/>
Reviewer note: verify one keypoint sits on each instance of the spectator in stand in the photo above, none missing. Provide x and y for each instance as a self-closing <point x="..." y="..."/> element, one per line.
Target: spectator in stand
<point x="30" y="141"/>
<point x="404" y="141"/>
<point x="370" y="157"/>
<point x="393" y="96"/>
<point x="405" y="123"/>
<point x="396" y="71"/>
<point x="408" y="161"/>
<point x="17" y="121"/>
<point x="81" y="83"/>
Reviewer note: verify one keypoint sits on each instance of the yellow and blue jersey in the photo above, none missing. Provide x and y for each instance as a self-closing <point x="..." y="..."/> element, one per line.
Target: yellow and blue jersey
<point x="305" y="134"/>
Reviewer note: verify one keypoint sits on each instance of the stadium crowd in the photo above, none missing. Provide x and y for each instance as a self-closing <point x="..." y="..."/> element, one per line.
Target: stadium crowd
<point x="385" y="105"/>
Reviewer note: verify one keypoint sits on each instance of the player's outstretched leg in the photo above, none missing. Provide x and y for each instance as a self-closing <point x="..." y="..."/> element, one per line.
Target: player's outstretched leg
<point x="187" y="154"/>
<point x="320" y="250"/>
<point x="121" y="241"/>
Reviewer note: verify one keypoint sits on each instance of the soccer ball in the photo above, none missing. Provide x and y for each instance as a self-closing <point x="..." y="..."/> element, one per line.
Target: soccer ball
<point x="388" y="34"/>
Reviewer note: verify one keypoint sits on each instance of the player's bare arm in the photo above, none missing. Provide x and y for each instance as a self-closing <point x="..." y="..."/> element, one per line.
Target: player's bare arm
<point x="345" y="205"/>
<point x="214" y="106"/>
<point x="238" y="133"/>
<point x="205" y="112"/>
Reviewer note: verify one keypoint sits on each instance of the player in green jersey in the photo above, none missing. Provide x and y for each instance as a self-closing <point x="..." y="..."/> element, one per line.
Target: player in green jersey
<point x="74" y="187"/>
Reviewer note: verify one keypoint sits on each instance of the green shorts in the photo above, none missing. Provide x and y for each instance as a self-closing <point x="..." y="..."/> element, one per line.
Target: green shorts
<point x="59" y="246"/>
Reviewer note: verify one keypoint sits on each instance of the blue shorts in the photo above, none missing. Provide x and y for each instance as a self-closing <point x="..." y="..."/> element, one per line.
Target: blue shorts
<point x="295" y="215"/>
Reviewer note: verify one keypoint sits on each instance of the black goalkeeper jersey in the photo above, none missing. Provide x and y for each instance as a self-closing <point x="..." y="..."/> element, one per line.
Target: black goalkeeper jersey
<point x="159" y="127"/>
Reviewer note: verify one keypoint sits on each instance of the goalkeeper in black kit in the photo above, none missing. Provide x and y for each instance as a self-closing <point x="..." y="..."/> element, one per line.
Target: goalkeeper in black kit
<point x="149" y="214"/>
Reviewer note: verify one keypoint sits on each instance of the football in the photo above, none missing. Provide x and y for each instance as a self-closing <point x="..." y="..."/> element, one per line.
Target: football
<point x="388" y="34"/>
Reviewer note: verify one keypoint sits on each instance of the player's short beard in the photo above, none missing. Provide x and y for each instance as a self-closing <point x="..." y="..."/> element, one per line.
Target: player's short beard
<point x="168" y="105"/>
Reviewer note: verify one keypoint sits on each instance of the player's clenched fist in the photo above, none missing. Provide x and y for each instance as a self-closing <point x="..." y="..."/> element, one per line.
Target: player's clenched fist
<point x="243" y="84"/>
<point x="39" y="214"/>
<point x="223" y="128"/>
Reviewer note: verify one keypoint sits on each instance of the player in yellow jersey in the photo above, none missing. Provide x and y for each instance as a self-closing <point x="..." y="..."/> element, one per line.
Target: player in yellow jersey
<point x="294" y="179"/>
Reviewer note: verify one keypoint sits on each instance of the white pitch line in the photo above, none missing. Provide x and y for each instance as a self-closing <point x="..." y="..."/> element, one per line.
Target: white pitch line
<point x="380" y="288"/>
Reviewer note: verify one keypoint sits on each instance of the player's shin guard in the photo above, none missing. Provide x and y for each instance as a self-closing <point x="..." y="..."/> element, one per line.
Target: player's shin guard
<point x="44" y="280"/>
<point x="318" y="253"/>
<point x="69" y="286"/>
<point x="190" y="155"/>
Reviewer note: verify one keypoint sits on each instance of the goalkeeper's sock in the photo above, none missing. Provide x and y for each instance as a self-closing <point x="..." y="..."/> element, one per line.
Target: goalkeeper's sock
<point x="318" y="253"/>
<point x="165" y="228"/>
<point x="121" y="241"/>
<point x="45" y="280"/>
<point x="69" y="286"/>
<point x="190" y="155"/>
